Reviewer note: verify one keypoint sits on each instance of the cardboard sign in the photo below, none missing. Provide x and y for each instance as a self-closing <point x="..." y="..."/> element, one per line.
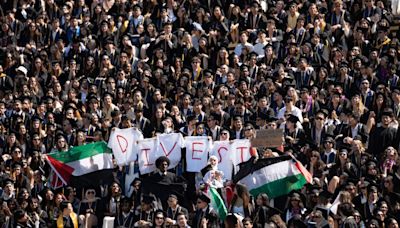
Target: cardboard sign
<point x="268" y="138"/>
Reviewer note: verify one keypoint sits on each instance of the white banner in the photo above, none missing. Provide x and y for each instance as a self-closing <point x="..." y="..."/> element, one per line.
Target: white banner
<point x="197" y="148"/>
<point x="122" y="143"/>
<point x="147" y="155"/>
<point x="221" y="149"/>
<point x="170" y="145"/>
<point x="240" y="149"/>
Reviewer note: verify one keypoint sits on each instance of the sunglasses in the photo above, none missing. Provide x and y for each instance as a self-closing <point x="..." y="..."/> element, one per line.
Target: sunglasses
<point x="90" y="192"/>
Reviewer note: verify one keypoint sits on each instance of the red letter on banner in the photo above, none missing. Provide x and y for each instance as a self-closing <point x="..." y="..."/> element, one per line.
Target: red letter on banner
<point x="219" y="153"/>
<point x="146" y="150"/>
<point x="196" y="151"/>
<point x="242" y="148"/>
<point x="165" y="152"/>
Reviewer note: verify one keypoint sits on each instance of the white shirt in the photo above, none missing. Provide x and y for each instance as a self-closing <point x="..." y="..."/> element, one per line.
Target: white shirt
<point x="295" y="111"/>
<point x="259" y="49"/>
<point x="354" y="131"/>
<point x="239" y="47"/>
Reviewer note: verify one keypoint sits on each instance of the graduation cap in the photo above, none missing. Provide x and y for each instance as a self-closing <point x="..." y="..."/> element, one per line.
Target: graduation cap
<point x="288" y="81"/>
<point x="190" y="118"/>
<point x="92" y="98"/>
<point x="109" y="41"/>
<point x="383" y="28"/>
<point x="136" y="7"/>
<point x="324" y="112"/>
<point x="16" y="165"/>
<point x="273" y="211"/>
<point x="105" y="22"/>
<point x="325" y="194"/>
<point x="297" y="222"/>
<point x="19" y="214"/>
<point x="293" y="119"/>
<point x="373" y="222"/>
<point x="329" y="139"/>
<point x="215" y="116"/>
<point x="363" y="137"/>
<point x="323" y="10"/>
<point x="204" y="197"/>
<point x="208" y="73"/>
<point x="372" y="187"/>
<point x="148" y="199"/>
<point x="343" y="64"/>
<point x="255" y="4"/>
<point x="71" y="105"/>
<point x="362" y="29"/>
<point x="248" y="126"/>
<point x="36" y="118"/>
<point x="261" y="30"/>
<point x="167" y="23"/>
<point x="324" y="211"/>
<point x="268" y="46"/>
<point x="60" y="135"/>
<point x="7" y="181"/>
<point x="107" y="94"/>
<point x="225" y="130"/>
<point x="396" y="90"/>
<point x="272" y="119"/>
<point x="262" y="116"/>
<point x="387" y="112"/>
<point x="126" y="200"/>
<point x="136" y="181"/>
<point x="186" y="72"/>
<point x="308" y="45"/>
<point x="281" y="92"/>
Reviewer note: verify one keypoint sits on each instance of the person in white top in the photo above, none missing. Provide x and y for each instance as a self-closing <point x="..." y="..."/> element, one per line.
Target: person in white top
<point x="291" y="109"/>
<point x="244" y="36"/>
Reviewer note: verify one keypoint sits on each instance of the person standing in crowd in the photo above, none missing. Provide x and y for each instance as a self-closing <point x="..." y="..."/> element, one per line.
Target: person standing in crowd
<point x="174" y="210"/>
<point x="205" y="215"/>
<point x="67" y="217"/>
<point x="125" y="216"/>
<point x="323" y="73"/>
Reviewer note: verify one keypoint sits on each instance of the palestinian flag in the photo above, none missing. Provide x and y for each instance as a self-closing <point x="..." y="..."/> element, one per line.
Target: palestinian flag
<point x="87" y="165"/>
<point x="274" y="176"/>
<point x="217" y="203"/>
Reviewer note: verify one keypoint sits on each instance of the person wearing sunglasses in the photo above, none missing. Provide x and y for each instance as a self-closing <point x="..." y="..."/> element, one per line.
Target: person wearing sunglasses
<point x="87" y="208"/>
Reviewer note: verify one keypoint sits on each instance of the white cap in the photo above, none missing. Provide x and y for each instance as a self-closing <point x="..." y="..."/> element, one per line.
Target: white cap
<point x="23" y="70"/>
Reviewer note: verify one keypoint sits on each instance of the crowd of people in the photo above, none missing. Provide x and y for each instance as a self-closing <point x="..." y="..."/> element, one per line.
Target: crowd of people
<point x="326" y="72"/>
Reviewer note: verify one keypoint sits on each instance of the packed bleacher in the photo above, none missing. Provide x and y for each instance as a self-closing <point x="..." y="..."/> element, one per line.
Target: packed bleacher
<point x="145" y="113"/>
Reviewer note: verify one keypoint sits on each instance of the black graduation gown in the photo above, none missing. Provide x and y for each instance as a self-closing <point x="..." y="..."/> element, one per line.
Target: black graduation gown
<point x="121" y="221"/>
<point x="380" y="139"/>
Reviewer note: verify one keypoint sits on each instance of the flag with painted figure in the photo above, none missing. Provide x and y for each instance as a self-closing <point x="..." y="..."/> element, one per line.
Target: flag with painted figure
<point x="274" y="176"/>
<point x="86" y="165"/>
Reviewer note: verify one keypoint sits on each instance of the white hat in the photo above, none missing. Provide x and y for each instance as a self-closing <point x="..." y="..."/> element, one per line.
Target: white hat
<point x="23" y="70"/>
